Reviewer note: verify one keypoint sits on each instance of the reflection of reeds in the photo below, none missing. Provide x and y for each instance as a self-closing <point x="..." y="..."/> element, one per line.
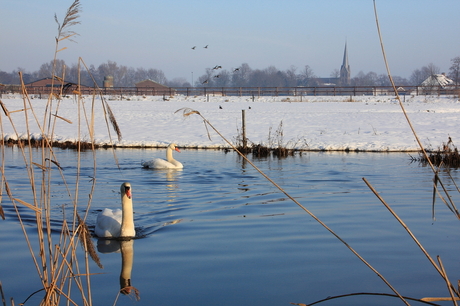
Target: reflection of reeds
<point x="63" y="274"/>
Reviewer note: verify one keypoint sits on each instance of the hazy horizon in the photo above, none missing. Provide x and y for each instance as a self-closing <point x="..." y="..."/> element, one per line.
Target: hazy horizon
<point x="270" y="33"/>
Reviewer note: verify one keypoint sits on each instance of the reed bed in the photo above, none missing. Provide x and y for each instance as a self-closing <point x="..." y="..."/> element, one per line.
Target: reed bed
<point x="275" y="145"/>
<point x="446" y="155"/>
<point x="62" y="261"/>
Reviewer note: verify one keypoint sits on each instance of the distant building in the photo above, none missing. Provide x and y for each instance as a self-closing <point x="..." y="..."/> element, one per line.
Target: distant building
<point x="437" y="80"/>
<point x="152" y="88"/>
<point x="344" y="78"/>
<point x="345" y="74"/>
<point x="434" y="83"/>
<point x="108" y="81"/>
<point x="44" y="86"/>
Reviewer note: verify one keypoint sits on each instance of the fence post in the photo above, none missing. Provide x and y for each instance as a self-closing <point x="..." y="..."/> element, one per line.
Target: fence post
<point x="243" y="115"/>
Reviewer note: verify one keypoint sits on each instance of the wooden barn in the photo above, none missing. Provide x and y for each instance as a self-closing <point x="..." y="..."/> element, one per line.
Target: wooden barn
<point x="152" y="88"/>
<point x="43" y="86"/>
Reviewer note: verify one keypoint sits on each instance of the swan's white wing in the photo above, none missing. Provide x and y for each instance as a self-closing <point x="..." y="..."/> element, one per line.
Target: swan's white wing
<point x="159" y="163"/>
<point x="108" y="223"/>
<point x="177" y="164"/>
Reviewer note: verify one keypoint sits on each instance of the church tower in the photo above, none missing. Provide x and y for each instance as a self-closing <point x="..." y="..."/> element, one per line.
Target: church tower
<point x="345" y="78"/>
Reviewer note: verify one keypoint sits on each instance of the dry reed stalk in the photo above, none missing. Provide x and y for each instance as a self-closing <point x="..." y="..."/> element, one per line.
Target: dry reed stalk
<point x="329" y="298"/>
<point x="187" y="112"/>
<point x="436" y="177"/>
<point x="457" y="213"/>
<point x="410" y="234"/>
<point x="2" y="294"/>
<point x="57" y="264"/>
<point x="448" y="283"/>
<point x="2" y="167"/>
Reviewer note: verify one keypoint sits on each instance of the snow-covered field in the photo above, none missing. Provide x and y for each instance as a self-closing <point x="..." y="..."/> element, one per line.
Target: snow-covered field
<point x="369" y="123"/>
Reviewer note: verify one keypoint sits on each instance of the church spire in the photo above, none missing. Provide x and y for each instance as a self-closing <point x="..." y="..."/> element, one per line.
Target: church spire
<point x="345" y="78"/>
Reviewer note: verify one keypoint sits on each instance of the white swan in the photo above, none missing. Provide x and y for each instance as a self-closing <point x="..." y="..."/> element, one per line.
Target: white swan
<point x="169" y="163"/>
<point x="117" y="223"/>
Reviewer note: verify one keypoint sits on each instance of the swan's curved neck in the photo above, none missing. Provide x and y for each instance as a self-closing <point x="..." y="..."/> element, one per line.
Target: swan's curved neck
<point x="127" y="220"/>
<point x="169" y="156"/>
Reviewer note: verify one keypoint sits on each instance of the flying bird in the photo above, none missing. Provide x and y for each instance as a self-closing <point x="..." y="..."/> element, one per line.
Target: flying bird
<point x="205" y="82"/>
<point x="216" y="76"/>
<point x="236" y="69"/>
<point x="193" y="48"/>
<point x="206" y="47"/>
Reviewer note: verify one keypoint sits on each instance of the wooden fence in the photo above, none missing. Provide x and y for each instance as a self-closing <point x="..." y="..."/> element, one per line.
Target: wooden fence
<point x="243" y="91"/>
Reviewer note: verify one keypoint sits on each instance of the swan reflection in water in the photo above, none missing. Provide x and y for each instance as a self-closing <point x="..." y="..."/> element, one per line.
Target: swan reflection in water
<point x="170" y="177"/>
<point x="126" y="248"/>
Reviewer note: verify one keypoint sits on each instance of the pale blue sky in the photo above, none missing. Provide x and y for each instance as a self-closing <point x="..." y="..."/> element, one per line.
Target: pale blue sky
<point x="160" y="34"/>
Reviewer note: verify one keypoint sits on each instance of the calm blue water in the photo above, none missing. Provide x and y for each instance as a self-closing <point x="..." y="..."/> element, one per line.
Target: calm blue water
<point x="218" y="233"/>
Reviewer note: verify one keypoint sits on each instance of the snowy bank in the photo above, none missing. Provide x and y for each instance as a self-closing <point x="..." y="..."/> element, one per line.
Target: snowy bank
<point x="369" y="123"/>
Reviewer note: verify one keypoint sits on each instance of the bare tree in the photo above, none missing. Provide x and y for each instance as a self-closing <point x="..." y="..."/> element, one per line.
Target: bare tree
<point x="362" y="79"/>
<point x="335" y="73"/>
<point x="156" y="75"/>
<point x="240" y="75"/>
<point x="306" y="76"/>
<point x="454" y="70"/>
<point x="291" y="78"/>
<point x="417" y="77"/>
<point x="207" y="79"/>
<point x="179" y="82"/>
<point x="222" y="79"/>
<point x="431" y="69"/>
<point x="120" y="74"/>
<point x="268" y="77"/>
<point x="46" y="70"/>
<point x="420" y="75"/>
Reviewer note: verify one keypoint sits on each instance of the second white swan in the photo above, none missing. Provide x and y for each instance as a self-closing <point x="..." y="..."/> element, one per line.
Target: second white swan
<point x="169" y="163"/>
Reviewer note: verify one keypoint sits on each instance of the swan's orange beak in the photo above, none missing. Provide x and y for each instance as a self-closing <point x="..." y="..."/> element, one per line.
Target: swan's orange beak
<point x="177" y="149"/>
<point x="128" y="193"/>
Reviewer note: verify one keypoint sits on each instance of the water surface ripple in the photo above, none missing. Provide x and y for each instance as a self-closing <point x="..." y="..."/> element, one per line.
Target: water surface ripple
<point x="218" y="233"/>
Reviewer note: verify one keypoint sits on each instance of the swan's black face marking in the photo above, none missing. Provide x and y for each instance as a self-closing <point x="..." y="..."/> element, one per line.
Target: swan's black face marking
<point x="128" y="192"/>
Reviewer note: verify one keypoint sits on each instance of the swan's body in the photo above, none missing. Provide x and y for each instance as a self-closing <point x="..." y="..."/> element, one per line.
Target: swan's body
<point x="169" y="163"/>
<point x="117" y="223"/>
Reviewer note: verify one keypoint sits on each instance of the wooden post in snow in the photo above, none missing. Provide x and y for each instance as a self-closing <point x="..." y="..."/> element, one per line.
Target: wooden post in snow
<point x="243" y="115"/>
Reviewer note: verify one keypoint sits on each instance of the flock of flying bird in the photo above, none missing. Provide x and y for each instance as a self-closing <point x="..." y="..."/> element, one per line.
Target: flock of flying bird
<point x="215" y="67"/>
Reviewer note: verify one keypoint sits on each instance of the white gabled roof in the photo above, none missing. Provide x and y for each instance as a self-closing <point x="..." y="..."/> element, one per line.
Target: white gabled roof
<point x="436" y="80"/>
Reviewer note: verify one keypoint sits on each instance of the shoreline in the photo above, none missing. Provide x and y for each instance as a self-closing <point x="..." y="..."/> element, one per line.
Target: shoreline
<point x="68" y="145"/>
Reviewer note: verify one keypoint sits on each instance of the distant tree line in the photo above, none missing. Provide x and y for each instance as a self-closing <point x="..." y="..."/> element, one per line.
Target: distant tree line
<point x="242" y="76"/>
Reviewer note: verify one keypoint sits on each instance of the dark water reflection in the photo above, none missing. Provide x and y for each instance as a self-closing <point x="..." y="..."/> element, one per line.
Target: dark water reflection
<point x="217" y="233"/>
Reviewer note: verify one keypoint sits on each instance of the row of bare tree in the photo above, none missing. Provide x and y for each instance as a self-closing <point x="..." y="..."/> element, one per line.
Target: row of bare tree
<point x="243" y="76"/>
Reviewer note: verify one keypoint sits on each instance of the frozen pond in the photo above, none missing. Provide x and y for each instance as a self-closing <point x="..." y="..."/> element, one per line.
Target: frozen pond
<point x="218" y="233"/>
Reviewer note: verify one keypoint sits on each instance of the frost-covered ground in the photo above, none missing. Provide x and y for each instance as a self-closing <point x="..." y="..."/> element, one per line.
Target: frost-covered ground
<point x="373" y="123"/>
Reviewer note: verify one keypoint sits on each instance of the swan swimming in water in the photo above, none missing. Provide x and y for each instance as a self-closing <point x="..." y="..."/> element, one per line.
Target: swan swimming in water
<point x="119" y="222"/>
<point x="169" y="163"/>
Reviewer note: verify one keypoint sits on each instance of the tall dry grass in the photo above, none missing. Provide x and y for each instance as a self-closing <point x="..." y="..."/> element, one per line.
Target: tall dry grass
<point x="62" y="261"/>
